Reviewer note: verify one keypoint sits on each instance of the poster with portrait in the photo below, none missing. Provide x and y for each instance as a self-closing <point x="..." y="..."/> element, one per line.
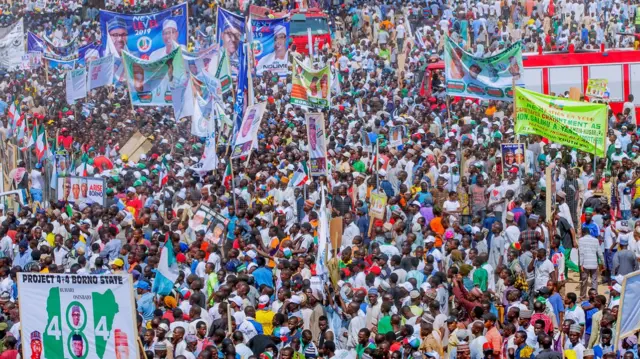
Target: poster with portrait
<point x="397" y="135"/>
<point x="270" y="46"/>
<point x="487" y="78"/>
<point x="246" y="135"/>
<point x="229" y="33"/>
<point x="378" y="205"/>
<point x="512" y="155"/>
<point x="77" y="316"/>
<point x="149" y="36"/>
<point x="87" y="190"/>
<point x="317" y="145"/>
<point x="12" y="46"/>
<point x="310" y="87"/>
<point x="153" y="83"/>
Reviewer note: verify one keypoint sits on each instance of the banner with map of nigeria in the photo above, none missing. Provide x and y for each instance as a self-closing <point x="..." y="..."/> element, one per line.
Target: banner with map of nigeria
<point x="77" y="316"/>
<point x="489" y="78"/>
<point x="576" y="124"/>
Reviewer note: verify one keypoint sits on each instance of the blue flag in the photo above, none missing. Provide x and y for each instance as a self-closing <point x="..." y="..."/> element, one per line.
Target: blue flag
<point x="243" y="80"/>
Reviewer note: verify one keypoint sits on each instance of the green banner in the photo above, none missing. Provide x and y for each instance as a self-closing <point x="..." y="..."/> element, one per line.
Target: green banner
<point x="310" y="87"/>
<point x="156" y="83"/>
<point x="581" y="125"/>
<point x="488" y="78"/>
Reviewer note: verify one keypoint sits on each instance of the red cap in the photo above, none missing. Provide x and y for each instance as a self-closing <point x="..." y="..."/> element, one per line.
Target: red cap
<point x="375" y="270"/>
<point x="487" y="346"/>
<point x="513" y="170"/>
<point x="180" y="257"/>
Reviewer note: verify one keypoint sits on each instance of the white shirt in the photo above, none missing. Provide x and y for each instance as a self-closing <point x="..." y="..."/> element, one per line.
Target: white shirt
<point x="543" y="274"/>
<point x="577" y="314"/>
<point x="350" y="232"/>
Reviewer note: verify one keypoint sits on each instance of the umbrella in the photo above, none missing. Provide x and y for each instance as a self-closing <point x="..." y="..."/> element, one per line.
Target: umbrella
<point x="102" y="162"/>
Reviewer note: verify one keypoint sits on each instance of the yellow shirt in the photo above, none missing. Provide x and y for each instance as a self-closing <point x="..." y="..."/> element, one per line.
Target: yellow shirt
<point x="51" y="239"/>
<point x="265" y="317"/>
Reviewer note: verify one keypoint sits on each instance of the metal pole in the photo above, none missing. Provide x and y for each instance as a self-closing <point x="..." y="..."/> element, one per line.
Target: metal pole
<point x="233" y="186"/>
<point x="377" y="159"/>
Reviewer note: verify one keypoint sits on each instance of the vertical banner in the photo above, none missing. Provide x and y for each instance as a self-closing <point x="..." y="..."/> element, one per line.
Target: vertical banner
<point x="148" y="36"/>
<point x="229" y="33"/>
<point x="317" y="145"/>
<point x="12" y="46"/>
<point x="248" y="132"/>
<point x="488" y="78"/>
<point x="77" y="316"/>
<point x="76" y="85"/>
<point x="223" y="73"/>
<point x="512" y="155"/>
<point x="225" y="125"/>
<point x="153" y="83"/>
<point x="309" y="87"/>
<point x="628" y="321"/>
<point x="243" y="83"/>
<point x="100" y="72"/>
<point x="270" y="46"/>
<point x="205" y="61"/>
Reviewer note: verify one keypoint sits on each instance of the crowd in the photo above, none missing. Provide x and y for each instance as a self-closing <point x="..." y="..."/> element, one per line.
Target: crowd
<point x="466" y="263"/>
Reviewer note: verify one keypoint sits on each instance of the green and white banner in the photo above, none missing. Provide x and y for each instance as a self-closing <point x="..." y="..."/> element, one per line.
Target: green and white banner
<point x="488" y="78"/>
<point x="580" y="125"/>
<point x="77" y="316"/>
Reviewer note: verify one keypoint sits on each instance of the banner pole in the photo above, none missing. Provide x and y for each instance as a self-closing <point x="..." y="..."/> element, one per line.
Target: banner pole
<point x="233" y="185"/>
<point x="377" y="157"/>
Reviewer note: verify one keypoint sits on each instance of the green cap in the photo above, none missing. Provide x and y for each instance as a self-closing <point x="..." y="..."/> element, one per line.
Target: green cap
<point x="179" y="146"/>
<point x="588" y="210"/>
<point x="141" y="165"/>
<point x="137" y="183"/>
<point x="143" y="179"/>
<point x="116" y="178"/>
<point x="109" y="191"/>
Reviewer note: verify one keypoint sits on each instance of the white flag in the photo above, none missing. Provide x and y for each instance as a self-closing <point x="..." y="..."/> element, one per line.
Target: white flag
<point x="76" y="85"/>
<point x="100" y="72"/>
<point x="209" y="160"/>
<point x="201" y="121"/>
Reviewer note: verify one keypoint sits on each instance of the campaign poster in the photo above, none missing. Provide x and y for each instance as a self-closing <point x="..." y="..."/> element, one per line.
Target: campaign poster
<point x="225" y="125"/>
<point x="77" y="316"/>
<point x="270" y="46"/>
<point x="76" y="85"/>
<point x="46" y="47"/>
<point x="317" y="145"/>
<point x="152" y="83"/>
<point x="512" y="155"/>
<point x="246" y="136"/>
<point x="310" y="87"/>
<point x="378" y="205"/>
<point x="87" y="190"/>
<point x="12" y="46"/>
<point x="397" y="135"/>
<point x="209" y="65"/>
<point x="229" y="34"/>
<point x="148" y="36"/>
<point x="487" y="78"/>
<point x="60" y="65"/>
<point x="100" y="72"/>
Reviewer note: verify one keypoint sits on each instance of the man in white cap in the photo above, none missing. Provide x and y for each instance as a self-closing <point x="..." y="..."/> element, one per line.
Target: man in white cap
<point x="169" y="37"/>
<point x="278" y="60"/>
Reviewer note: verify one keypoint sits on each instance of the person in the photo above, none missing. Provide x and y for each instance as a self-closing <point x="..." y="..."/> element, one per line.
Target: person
<point x="590" y="257"/>
<point x="77" y="345"/>
<point x="276" y="61"/>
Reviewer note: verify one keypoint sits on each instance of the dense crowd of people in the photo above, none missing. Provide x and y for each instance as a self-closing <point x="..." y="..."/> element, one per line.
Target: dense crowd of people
<point x="467" y="262"/>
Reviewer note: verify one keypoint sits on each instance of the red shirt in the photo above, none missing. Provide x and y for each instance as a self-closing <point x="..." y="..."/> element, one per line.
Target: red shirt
<point x="65" y="141"/>
<point x="9" y="354"/>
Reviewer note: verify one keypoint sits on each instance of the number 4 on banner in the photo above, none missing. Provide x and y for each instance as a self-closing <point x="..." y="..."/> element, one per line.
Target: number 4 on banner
<point x="101" y="329"/>
<point x="53" y="329"/>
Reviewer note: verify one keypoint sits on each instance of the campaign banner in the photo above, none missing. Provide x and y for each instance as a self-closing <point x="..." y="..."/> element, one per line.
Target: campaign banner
<point x="12" y="46"/>
<point x="223" y="73"/>
<point x="38" y="44"/>
<point x="378" y="205"/>
<point x="512" y="155"/>
<point x="317" y="145"/>
<point x="74" y="189"/>
<point x="225" y="124"/>
<point x="209" y="160"/>
<point x="32" y="60"/>
<point x="488" y="78"/>
<point x="580" y="125"/>
<point x="77" y="316"/>
<point x="210" y="63"/>
<point x="230" y="31"/>
<point x="308" y="87"/>
<point x="397" y="135"/>
<point x="153" y="83"/>
<point x="597" y="88"/>
<point x="60" y="65"/>
<point x="270" y="46"/>
<point x="100" y="72"/>
<point x="628" y="320"/>
<point x="242" y="87"/>
<point x="201" y="121"/>
<point x="247" y="133"/>
<point x="149" y="36"/>
<point x="76" y="85"/>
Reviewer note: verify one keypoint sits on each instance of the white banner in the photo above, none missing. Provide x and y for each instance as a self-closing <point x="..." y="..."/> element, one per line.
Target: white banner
<point x="12" y="46"/>
<point x="209" y="160"/>
<point x="246" y="136"/>
<point x="201" y="121"/>
<point x="317" y="145"/>
<point x="81" y="189"/>
<point x="77" y="316"/>
<point x="100" y="72"/>
<point x="76" y="85"/>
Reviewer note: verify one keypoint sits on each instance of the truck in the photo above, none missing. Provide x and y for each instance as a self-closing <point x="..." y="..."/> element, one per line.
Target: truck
<point x="315" y="20"/>
<point x="555" y="72"/>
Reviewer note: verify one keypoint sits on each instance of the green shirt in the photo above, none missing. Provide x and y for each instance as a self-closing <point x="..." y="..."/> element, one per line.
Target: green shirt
<point x="359" y="166"/>
<point x="480" y="278"/>
<point x="384" y="325"/>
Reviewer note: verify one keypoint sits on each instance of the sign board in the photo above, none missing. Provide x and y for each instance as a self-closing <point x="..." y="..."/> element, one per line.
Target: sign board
<point x="597" y="88"/>
<point x="77" y="316"/>
<point x="378" y="205"/>
<point x="335" y="232"/>
<point x="132" y="148"/>
<point x="81" y="189"/>
<point x="574" y="93"/>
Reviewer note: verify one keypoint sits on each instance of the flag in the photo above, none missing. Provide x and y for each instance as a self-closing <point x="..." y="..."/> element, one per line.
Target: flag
<point x="240" y="101"/>
<point x="21" y="127"/>
<point x="227" y="175"/>
<point x="299" y="176"/>
<point x="167" y="271"/>
<point x="38" y="137"/>
<point x="323" y="235"/>
<point x="164" y="172"/>
<point x="12" y="115"/>
<point x="53" y="182"/>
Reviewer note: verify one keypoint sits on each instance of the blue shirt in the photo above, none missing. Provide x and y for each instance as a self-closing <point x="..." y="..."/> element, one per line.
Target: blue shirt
<point x="262" y="276"/>
<point x="23" y="259"/>
<point x="146" y="306"/>
<point x="231" y="227"/>
<point x="387" y="188"/>
<point x="588" y="315"/>
<point x="557" y="303"/>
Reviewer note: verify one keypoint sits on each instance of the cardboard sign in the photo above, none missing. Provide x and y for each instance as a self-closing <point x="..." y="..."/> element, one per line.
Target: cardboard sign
<point x="137" y="145"/>
<point x="574" y="93"/>
<point x="335" y="232"/>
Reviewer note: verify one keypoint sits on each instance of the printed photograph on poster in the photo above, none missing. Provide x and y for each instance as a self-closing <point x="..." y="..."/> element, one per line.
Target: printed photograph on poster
<point x="396" y="135"/>
<point x="154" y="83"/>
<point x="512" y="155"/>
<point x="246" y="136"/>
<point x="87" y="190"/>
<point x="270" y="40"/>
<point x="317" y="144"/>
<point x="378" y="205"/>
<point x="230" y="30"/>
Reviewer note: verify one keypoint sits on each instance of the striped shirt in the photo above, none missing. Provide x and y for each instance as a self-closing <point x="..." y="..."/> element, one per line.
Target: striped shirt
<point x="590" y="252"/>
